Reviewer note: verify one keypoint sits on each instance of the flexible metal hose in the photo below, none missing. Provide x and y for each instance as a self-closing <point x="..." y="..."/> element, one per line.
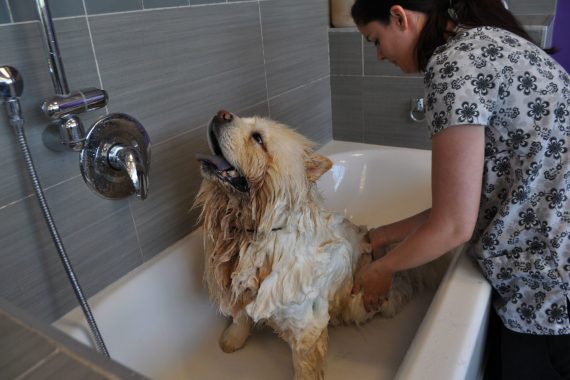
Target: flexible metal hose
<point x="18" y="124"/>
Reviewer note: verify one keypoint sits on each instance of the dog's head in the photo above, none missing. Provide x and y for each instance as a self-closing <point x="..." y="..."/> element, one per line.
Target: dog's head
<point x="250" y="153"/>
<point x="260" y="162"/>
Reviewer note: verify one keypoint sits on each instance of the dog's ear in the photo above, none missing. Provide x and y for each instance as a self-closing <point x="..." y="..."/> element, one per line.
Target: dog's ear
<point x="316" y="165"/>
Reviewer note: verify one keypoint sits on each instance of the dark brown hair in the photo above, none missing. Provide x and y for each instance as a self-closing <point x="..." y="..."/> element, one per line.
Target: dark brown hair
<point x="470" y="13"/>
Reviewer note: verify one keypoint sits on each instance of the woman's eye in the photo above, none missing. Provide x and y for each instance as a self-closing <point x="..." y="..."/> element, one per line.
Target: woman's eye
<point x="375" y="42"/>
<point x="257" y="137"/>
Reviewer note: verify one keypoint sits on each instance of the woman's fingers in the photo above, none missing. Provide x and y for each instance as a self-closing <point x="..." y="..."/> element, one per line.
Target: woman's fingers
<point x="373" y="302"/>
<point x="374" y="287"/>
<point x="356" y="287"/>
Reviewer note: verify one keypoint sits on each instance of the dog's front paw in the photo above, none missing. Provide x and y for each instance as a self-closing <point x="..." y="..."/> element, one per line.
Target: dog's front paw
<point x="234" y="337"/>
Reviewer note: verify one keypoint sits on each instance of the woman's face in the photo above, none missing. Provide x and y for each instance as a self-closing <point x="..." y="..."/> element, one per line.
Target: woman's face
<point x="397" y="40"/>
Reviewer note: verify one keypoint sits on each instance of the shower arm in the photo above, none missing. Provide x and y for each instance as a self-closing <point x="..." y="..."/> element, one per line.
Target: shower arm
<point x="63" y="107"/>
<point x="55" y="63"/>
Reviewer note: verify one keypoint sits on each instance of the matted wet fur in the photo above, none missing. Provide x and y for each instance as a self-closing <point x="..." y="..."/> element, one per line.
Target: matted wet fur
<point x="273" y="254"/>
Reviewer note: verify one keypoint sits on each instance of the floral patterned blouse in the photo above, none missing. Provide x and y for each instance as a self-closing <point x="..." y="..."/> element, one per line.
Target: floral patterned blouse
<point x="493" y="78"/>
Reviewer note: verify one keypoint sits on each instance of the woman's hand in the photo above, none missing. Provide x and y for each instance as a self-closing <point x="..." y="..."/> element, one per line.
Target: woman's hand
<point x="374" y="283"/>
<point x="379" y="242"/>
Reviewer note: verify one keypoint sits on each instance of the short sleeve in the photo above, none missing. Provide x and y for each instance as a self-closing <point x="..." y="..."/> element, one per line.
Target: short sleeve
<point x="462" y="83"/>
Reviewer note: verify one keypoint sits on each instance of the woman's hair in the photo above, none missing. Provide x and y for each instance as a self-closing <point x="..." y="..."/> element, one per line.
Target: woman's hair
<point x="469" y="13"/>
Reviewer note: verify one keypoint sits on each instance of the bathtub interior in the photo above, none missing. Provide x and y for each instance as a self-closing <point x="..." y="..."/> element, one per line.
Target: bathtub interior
<point x="158" y="320"/>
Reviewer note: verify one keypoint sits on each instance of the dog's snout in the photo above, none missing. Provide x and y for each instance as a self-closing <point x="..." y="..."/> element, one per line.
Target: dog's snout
<point x="224" y="116"/>
<point x="222" y="120"/>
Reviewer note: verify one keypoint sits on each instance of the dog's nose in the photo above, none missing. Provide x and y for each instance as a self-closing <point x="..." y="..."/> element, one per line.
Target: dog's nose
<point x="224" y="116"/>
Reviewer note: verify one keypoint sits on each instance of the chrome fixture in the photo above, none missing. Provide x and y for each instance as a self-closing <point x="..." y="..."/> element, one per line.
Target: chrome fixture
<point x="115" y="152"/>
<point x="63" y="110"/>
<point x="115" y="159"/>
<point x="11" y="88"/>
<point x="65" y="133"/>
<point x="11" y="83"/>
<point x="417" y="110"/>
<point x="64" y="103"/>
<point x="73" y="104"/>
<point x="55" y="63"/>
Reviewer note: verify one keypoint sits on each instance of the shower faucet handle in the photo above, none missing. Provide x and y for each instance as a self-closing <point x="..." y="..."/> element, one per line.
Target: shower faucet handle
<point x="128" y="159"/>
<point x="78" y="102"/>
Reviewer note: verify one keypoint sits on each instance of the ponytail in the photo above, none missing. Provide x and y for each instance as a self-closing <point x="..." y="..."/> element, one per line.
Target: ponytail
<point x="468" y="13"/>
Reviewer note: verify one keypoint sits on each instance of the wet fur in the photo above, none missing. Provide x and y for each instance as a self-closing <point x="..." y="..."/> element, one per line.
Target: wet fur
<point x="275" y="255"/>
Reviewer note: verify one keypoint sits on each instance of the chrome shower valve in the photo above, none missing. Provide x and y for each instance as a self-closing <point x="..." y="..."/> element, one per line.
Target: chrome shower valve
<point x="115" y="160"/>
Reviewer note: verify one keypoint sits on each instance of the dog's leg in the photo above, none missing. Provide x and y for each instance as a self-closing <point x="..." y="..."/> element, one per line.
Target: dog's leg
<point x="309" y="356"/>
<point x="235" y="335"/>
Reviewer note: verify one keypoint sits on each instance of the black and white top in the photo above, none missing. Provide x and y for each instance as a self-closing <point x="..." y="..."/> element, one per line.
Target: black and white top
<point x="493" y="78"/>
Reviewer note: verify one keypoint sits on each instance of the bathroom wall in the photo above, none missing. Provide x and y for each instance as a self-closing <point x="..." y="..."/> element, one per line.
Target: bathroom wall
<point x="171" y="64"/>
<point x="371" y="99"/>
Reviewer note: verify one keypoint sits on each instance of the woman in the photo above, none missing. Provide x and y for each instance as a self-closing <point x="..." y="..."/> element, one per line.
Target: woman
<point x="498" y="109"/>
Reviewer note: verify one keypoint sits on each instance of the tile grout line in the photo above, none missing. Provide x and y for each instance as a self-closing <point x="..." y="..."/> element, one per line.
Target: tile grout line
<point x="264" y="61"/>
<point x="362" y="56"/>
<point x="15" y="202"/>
<point x="132" y="11"/>
<point x="9" y="11"/>
<point x="377" y="76"/>
<point x="253" y="105"/>
<point x="40" y="363"/>
<point x="94" y="51"/>
<point x="301" y="86"/>
<point x="136" y="232"/>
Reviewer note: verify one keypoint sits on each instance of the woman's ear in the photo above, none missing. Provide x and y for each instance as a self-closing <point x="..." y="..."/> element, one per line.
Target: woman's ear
<point x="400" y="16"/>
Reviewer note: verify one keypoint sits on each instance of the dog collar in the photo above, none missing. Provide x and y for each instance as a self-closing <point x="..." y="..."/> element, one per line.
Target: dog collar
<point x="251" y="230"/>
<point x="272" y="230"/>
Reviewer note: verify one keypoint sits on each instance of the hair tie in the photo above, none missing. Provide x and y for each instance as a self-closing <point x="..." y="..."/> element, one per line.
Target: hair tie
<point x="451" y="12"/>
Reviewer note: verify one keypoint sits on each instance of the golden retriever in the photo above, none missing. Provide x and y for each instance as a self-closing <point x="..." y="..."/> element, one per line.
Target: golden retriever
<point x="273" y="254"/>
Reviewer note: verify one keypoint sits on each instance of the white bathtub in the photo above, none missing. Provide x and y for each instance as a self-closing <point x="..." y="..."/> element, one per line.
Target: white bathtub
<point x="159" y="321"/>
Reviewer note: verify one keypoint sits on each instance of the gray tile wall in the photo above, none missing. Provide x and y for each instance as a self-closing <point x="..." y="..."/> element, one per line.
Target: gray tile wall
<point x="371" y="99"/>
<point x="532" y="7"/>
<point x="172" y="69"/>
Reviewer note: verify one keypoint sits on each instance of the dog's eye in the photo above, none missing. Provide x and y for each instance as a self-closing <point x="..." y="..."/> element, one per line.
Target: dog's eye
<point x="257" y="137"/>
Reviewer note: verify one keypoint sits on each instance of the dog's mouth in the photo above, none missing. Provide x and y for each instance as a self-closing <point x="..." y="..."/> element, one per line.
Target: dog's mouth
<point x="218" y="166"/>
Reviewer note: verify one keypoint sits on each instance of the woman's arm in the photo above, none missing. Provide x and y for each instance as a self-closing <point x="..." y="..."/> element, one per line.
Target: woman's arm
<point x="384" y="236"/>
<point x="457" y="174"/>
<point x="397" y="231"/>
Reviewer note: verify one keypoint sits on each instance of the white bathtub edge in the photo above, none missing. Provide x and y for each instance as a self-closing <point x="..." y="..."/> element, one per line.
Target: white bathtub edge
<point x="74" y="324"/>
<point x="449" y="343"/>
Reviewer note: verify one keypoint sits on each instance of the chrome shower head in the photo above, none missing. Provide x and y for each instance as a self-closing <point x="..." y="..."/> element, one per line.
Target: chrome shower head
<point x="11" y="83"/>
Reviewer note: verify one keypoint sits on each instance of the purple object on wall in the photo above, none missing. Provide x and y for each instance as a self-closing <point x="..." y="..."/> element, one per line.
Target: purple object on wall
<point x="561" y="36"/>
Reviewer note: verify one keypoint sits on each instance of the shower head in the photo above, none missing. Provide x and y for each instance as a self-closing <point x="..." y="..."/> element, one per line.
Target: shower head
<point x="11" y="83"/>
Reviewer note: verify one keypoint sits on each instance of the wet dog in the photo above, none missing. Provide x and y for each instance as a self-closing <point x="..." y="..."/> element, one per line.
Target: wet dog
<point x="273" y="253"/>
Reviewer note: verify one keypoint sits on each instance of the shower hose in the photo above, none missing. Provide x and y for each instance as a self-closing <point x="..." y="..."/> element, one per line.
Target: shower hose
<point x="18" y="125"/>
